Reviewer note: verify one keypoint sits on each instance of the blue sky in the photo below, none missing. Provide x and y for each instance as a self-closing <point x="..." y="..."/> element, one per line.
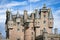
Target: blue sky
<point x="29" y="5"/>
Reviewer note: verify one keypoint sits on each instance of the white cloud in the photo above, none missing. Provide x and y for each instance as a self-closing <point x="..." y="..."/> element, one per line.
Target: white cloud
<point x="33" y="0"/>
<point x="56" y="14"/>
<point x="57" y="24"/>
<point x="2" y="18"/>
<point x="21" y="12"/>
<point x="2" y="15"/>
<point x="2" y="11"/>
<point x="57" y="19"/>
<point x="49" y="2"/>
<point x="12" y="4"/>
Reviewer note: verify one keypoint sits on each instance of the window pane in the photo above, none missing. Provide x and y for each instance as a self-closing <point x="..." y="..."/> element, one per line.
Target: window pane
<point x="44" y="21"/>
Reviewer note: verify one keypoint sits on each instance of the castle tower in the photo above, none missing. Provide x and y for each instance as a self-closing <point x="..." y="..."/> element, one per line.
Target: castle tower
<point x="14" y="28"/>
<point x="29" y="30"/>
<point x="46" y="19"/>
<point x="37" y="22"/>
<point x="6" y="23"/>
<point x="45" y="34"/>
<point x="25" y="15"/>
<point x="28" y="27"/>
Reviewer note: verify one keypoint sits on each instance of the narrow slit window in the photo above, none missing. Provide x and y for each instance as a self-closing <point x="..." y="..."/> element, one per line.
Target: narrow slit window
<point x="44" y="21"/>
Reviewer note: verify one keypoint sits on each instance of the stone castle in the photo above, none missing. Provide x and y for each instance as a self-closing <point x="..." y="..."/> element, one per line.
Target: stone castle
<point x="37" y="26"/>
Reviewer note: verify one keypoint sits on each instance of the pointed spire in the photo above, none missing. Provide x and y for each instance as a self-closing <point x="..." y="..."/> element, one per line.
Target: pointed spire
<point x="37" y="13"/>
<point x="44" y="6"/>
<point x="50" y="14"/>
<point x="7" y="11"/>
<point x="18" y="15"/>
<point x="10" y="16"/>
<point x="17" y="11"/>
<point x="25" y="14"/>
<point x="25" y="11"/>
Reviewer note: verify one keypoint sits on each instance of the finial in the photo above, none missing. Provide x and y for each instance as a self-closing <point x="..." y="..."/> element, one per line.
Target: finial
<point x="44" y="5"/>
<point x="25" y="11"/>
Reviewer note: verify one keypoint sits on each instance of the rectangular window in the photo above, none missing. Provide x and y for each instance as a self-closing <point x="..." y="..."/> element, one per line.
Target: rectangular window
<point x="18" y="29"/>
<point x="18" y="23"/>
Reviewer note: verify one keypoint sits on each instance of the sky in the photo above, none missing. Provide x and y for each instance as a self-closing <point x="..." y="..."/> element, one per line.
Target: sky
<point x="29" y="5"/>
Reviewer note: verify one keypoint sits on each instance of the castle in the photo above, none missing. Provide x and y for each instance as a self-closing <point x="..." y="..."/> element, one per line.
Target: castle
<point x="37" y="26"/>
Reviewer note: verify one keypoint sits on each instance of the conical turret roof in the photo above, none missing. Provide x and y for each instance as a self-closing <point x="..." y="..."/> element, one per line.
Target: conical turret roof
<point x="18" y="15"/>
<point x="50" y="14"/>
<point x="37" y="13"/>
<point x="10" y="16"/>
